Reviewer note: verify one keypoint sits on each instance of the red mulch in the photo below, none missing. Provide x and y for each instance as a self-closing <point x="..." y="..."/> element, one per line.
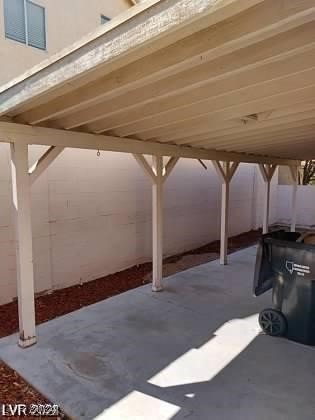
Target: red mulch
<point x="235" y="243"/>
<point x="63" y="301"/>
<point x="13" y="389"/>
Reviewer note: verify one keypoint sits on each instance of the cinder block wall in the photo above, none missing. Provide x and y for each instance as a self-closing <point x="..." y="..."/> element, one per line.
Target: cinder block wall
<point x="92" y="215"/>
<point x="305" y="205"/>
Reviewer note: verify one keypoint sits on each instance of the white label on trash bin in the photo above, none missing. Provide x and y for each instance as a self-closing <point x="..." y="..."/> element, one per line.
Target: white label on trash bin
<point x="300" y="270"/>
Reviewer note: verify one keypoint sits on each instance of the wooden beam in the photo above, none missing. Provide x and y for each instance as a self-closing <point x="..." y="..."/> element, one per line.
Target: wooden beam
<point x="197" y="123"/>
<point x="298" y="147"/>
<point x="220" y="170"/>
<point x="198" y="131"/>
<point x="24" y="250"/>
<point x="133" y="106"/>
<point x="202" y="164"/>
<point x="235" y="104"/>
<point x="282" y="148"/>
<point x="302" y="148"/>
<point x="10" y="132"/>
<point x="278" y="143"/>
<point x="169" y="167"/>
<point x="267" y="171"/>
<point x="298" y="125"/>
<point x="232" y="169"/>
<point x="143" y="163"/>
<point x="275" y="123"/>
<point x="261" y="137"/>
<point x="43" y="162"/>
<point x="226" y="137"/>
<point x="272" y="170"/>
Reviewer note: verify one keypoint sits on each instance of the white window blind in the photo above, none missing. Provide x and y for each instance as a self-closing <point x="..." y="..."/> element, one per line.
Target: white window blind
<point x="25" y="22"/>
<point x="14" y="18"/>
<point x="35" y="25"/>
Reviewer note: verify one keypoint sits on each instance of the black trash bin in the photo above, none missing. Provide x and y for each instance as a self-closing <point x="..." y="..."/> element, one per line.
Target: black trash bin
<point x="288" y="268"/>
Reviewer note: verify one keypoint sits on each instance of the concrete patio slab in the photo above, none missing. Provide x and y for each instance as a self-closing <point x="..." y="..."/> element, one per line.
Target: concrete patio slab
<point x="193" y="351"/>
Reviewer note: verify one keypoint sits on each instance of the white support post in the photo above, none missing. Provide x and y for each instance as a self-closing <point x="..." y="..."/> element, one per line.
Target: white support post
<point x="157" y="223"/>
<point x="293" y="208"/>
<point x="267" y="172"/>
<point x="294" y="175"/>
<point x="225" y="199"/>
<point x="23" y="226"/>
<point x="225" y="172"/>
<point x="158" y="175"/>
<point x="266" y="208"/>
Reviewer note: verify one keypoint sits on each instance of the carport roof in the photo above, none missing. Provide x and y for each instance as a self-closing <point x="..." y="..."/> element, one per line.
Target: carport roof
<point x="217" y="79"/>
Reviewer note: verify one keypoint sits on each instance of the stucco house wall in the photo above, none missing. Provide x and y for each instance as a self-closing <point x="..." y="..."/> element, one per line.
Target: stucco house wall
<point x="66" y="22"/>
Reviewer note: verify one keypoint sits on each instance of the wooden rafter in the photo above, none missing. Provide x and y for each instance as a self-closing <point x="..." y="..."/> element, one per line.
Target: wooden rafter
<point x="235" y="104"/>
<point x="133" y="106"/>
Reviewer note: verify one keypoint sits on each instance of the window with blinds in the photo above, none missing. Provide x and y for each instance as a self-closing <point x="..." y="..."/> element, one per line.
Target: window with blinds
<point x="25" y="22"/>
<point x="35" y="25"/>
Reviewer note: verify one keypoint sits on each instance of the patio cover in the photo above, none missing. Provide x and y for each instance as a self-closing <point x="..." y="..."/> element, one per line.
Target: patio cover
<point x="224" y="80"/>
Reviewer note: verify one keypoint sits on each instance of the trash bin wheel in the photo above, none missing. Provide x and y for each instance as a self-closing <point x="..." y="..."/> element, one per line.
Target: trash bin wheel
<point x="273" y="322"/>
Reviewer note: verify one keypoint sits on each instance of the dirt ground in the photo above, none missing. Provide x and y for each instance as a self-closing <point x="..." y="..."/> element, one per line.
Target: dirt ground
<point x="13" y="389"/>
